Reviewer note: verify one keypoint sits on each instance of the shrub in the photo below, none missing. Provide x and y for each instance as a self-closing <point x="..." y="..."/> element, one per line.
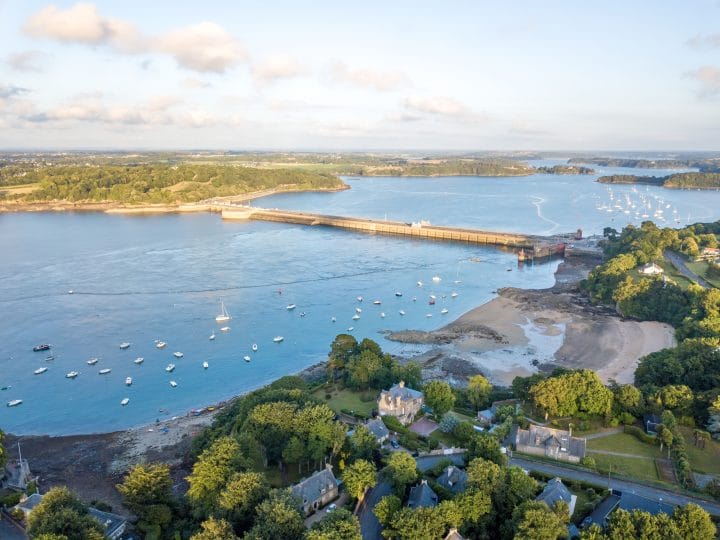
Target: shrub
<point x="17" y="514"/>
<point x="393" y="424"/>
<point x="328" y="396"/>
<point x="639" y="434"/>
<point x="31" y="488"/>
<point x="11" y="499"/>
<point x="588" y="462"/>
<point x="626" y="419"/>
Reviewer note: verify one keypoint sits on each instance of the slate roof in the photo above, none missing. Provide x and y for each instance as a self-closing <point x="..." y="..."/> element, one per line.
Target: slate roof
<point x="31" y="502"/>
<point x="555" y="491"/>
<point x="453" y="534"/>
<point x="538" y="437"/>
<point x="377" y="427"/>
<point x="453" y="479"/>
<point x="110" y="522"/>
<point x="313" y="487"/>
<point x="422" y="496"/>
<point x="403" y="392"/>
<point x="629" y="502"/>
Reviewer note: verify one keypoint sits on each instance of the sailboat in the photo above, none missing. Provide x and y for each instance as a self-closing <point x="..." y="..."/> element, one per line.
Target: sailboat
<point x="212" y="336"/>
<point x="224" y="315"/>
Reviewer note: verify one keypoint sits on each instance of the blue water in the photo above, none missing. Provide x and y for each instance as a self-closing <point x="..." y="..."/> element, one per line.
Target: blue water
<point x="139" y="279"/>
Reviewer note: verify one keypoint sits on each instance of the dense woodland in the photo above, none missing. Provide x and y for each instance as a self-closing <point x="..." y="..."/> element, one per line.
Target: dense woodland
<point x="703" y="180"/>
<point x="565" y="169"/>
<point x="710" y="164"/>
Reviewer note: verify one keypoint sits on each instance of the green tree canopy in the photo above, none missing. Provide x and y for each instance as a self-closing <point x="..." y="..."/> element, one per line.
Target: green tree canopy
<point x="439" y="397"/>
<point x="278" y="517"/>
<point x="571" y="393"/>
<point x="401" y="469"/>
<point x="215" y="529"/>
<point x="338" y="525"/>
<point x="61" y="513"/>
<point x="359" y="476"/>
<point x="147" y="493"/>
<point x="478" y="391"/>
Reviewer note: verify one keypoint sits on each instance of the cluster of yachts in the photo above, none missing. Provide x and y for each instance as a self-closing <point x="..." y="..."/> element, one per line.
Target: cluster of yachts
<point x="639" y="205"/>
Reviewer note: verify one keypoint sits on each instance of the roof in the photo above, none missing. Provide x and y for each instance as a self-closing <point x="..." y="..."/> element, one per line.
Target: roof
<point x="486" y="414"/>
<point x="453" y="479"/>
<point x="554" y="491"/>
<point x="453" y="534"/>
<point x="401" y="391"/>
<point x="651" y="268"/>
<point x="31" y="502"/>
<point x="313" y="487"/>
<point x="422" y="496"/>
<point x="377" y="427"/>
<point x="631" y="501"/>
<point x="110" y="522"/>
<point x="538" y="437"/>
<point x="652" y="419"/>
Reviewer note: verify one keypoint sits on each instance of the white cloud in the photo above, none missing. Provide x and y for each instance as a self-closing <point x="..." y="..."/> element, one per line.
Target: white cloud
<point x="192" y="82"/>
<point x="701" y="41"/>
<point x="369" y="78"/>
<point x="278" y="67"/>
<point x="27" y="61"/>
<point x="709" y="79"/>
<point x="439" y="105"/>
<point x="203" y="47"/>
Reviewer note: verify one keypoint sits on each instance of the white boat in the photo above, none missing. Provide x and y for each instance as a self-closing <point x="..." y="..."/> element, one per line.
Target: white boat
<point x="173" y="384"/>
<point x="278" y="339"/>
<point x="377" y="302"/>
<point x="355" y="317"/>
<point x="139" y="360"/>
<point x="254" y="347"/>
<point x="359" y="298"/>
<point x="170" y="367"/>
<point x="290" y="307"/>
<point x="125" y="401"/>
<point x="351" y="328"/>
<point x="224" y="315"/>
<point x="454" y="295"/>
<point x="40" y="370"/>
<point x="128" y="381"/>
<point x="436" y="279"/>
<point x="401" y="312"/>
<point x="444" y="311"/>
<point x="212" y="336"/>
<point x="14" y="402"/>
<point x="160" y="344"/>
<point x="178" y="354"/>
<point x="398" y="294"/>
<point x="246" y="358"/>
<point x="104" y="371"/>
<point x="124" y="345"/>
<point x="71" y="375"/>
<point x="382" y="314"/>
<point x="332" y="319"/>
<point x="419" y="283"/>
<point x="92" y="361"/>
<point x="358" y="310"/>
<point x="205" y="365"/>
<point x="433" y="297"/>
<point x="225" y="329"/>
<point x="429" y="315"/>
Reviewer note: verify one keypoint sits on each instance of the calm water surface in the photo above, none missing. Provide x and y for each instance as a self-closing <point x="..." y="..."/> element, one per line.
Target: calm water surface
<point x="138" y="279"/>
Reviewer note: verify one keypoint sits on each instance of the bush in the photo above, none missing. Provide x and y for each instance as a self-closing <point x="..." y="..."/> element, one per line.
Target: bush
<point x="393" y="424"/>
<point x="626" y="419"/>
<point x="17" y="514"/>
<point x="11" y="499"/>
<point x="31" y="488"/>
<point x="410" y="440"/>
<point x="639" y="434"/>
<point x="588" y="462"/>
<point x="328" y="396"/>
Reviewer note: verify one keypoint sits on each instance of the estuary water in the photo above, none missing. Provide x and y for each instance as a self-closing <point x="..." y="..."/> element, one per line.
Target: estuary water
<point x="140" y="279"/>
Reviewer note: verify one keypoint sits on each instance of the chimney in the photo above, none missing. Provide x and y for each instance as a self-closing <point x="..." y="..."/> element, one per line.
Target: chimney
<point x="570" y="430"/>
<point x="401" y="384"/>
<point x="328" y="466"/>
<point x="423" y="481"/>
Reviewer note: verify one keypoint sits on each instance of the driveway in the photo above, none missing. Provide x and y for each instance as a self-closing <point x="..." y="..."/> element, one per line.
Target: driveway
<point x="679" y="263"/>
<point x="369" y="525"/>
<point x="341" y="501"/>
<point x="635" y="488"/>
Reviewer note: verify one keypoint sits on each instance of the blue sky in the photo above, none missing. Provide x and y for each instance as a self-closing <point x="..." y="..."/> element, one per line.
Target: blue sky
<point x="455" y="75"/>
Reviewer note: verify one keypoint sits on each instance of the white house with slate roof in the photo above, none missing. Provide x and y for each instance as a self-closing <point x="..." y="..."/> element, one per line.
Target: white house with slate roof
<point x="377" y="427"/>
<point x="317" y="490"/>
<point x="401" y="402"/>
<point x="556" y="491"/>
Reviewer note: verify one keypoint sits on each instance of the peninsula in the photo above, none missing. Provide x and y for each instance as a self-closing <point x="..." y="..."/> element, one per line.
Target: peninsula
<point x="689" y="180"/>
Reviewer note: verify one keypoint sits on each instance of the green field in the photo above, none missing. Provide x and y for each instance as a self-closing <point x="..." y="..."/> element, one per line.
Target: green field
<point x="700" y="268"/>
<point x="624" y="444"/>
<point x="704" y="460"/>
<point x="635" y="467"/>
<point x="642" y="466"/>
<point x="346" y="399"/>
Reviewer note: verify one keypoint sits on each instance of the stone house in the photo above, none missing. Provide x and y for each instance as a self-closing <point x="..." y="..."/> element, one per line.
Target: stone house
<point x="553" y="443"/>
<point x="316" y="491"/>
<point x="401" y="402"/>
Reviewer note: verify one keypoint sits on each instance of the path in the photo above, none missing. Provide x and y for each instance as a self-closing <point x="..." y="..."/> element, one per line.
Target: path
<point x="604" y="433"/>
<point x="637" y="488"/>
<point x="369" y="525"/>
<point x="620" y="454"/>
<point x="678" y="262"/>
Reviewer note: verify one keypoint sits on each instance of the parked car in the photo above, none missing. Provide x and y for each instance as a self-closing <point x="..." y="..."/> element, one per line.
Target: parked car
<point x="331" y="508"/>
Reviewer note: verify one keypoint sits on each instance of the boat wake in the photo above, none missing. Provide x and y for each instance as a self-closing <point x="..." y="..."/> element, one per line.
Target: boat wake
<point x="537" y="202"/>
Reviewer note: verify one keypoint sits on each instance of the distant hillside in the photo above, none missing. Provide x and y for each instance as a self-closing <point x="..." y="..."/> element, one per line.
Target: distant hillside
<point x="449" y="167"/>
<point x="704" y="165"/>
<point x="565" y="169"/>
<point x="690" y="180"/>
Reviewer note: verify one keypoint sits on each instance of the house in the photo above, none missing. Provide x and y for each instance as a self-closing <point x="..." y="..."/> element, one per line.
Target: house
<point x="485" y="417"/>
<point x="453" y="534"/>
<point x="400" y="402"/>
<point x="17" y="475"/>
<point x="422" y="496"/>
<point x="316" y="491"/>
<point x="453" y="479"/>
<point x="708" y="254"/>
<point x="651" y="423"/>
<point x="553" y="443"/>
<point x="377" y="427"/>
<point x="625" y="501"/>
<point x="113" y="525"/>
<point x="651" y="269"/>
<point x="556" y="491"/>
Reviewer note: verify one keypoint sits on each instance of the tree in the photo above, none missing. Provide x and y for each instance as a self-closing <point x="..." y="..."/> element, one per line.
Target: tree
<point x="241" y="495"/>
<point x="571" y="393"/>
<point x="341" y="349"/>
<point x="666" y="437"/>
<point x="515" y="488"/>
<point x="485" y="446"/>
<point x="676" y="397"/>
<point x="540" y="524"/>
<point x="478" y="391"/>
<point x="627" y="398"/>
<point x="386" y="509"/>
<point x="402" y="470"/>
<point x="483" y="475"/>
<point x="62" y="514"/>
<point x="3" y="455"/>
<point x="215" y="529"/>
<point x="474" y="504"/>
<point x="147" y="493"/>
<point x="278" y="517"/>
<point x="693" y="522"/>
<point x="358" y="477"/>
<point x="419" y="524"/>
<point x="363" y="443"/>
<point x="439" y="397"/>
<point x="338" y="525"/>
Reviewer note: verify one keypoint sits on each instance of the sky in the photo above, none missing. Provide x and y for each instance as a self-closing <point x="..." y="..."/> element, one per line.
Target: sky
<point x="371" y="75"/>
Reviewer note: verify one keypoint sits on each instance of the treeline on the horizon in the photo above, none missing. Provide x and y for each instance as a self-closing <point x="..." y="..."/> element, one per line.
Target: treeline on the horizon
<point x="703" y="164"/>
<point x="154" y="183"/>
<point x="565" y="169"/>
<point x="703" y="180"/>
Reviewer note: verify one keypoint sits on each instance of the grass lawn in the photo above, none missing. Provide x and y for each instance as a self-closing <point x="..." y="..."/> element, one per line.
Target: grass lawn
<point x="641" y="468"/>
<point x="582" y="499"/>
<point x="672" y="273"/>
<point x="705" y="460"/>
<point x="700" y="268"/>
<point x="625" y="444"/>
<point x="346" y="399"/>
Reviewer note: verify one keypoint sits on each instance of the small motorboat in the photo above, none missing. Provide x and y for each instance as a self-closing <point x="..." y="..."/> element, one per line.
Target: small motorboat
<point x="414" y="298"/>
<point x="128" y="381"/>
<point x="377" y="302"/>
<point x="444" y="311"/>
<point x="358" y="310"/>
<point x="173" y="384"/>
<point x="170" y="367"/>
<point x="436" y="279"/>
<point x="355" y="317"/>
<point x="41" y="347"/>
<point x="124" y="345"/>
<point x="8" y="387"/>
<point x="302" y="313"/>
<point x="359" y="298"/>
<point x="382" y="314"/>
<point x="290" y="307"/>
<point x="351" y="328"/>
<point x="104" y="371"/>
<point x="92" y="361"/>
<point x="160" y="344"/>
<point x="139" y="360"/>
<point x="454" y="295"/>
<point x="40" y="370"/>
<point x="50" y="357"/>
<point x="205" y="365"/>
<point x="225" y="329"/>
<point x="71" y="375"/>
<point x="398" y="294"/>
<point x="212" y="336"/>
<point x="278" y="339"/>
<point x="419" y="284"/>
<point x="71" y="291"/>
<point x="332" y="319"/>
<point x="246" y="358"/>
<point x="254" y="347"/>
<point x="401" y="312"/>
<point x="14" y="402"/>
<point x="429" y="315"/>
<point x="431" y="302"/>
<point x="508" y="269"/>
<point x="125" y="401"/>
<point x="178" y="354"/>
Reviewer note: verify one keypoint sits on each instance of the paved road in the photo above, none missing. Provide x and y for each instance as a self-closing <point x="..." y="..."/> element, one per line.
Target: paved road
<point x="679" y="263"/>
<point x="648" y="492"/>
<point x="10" y="531"/>
<point x="369" y="525"/>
